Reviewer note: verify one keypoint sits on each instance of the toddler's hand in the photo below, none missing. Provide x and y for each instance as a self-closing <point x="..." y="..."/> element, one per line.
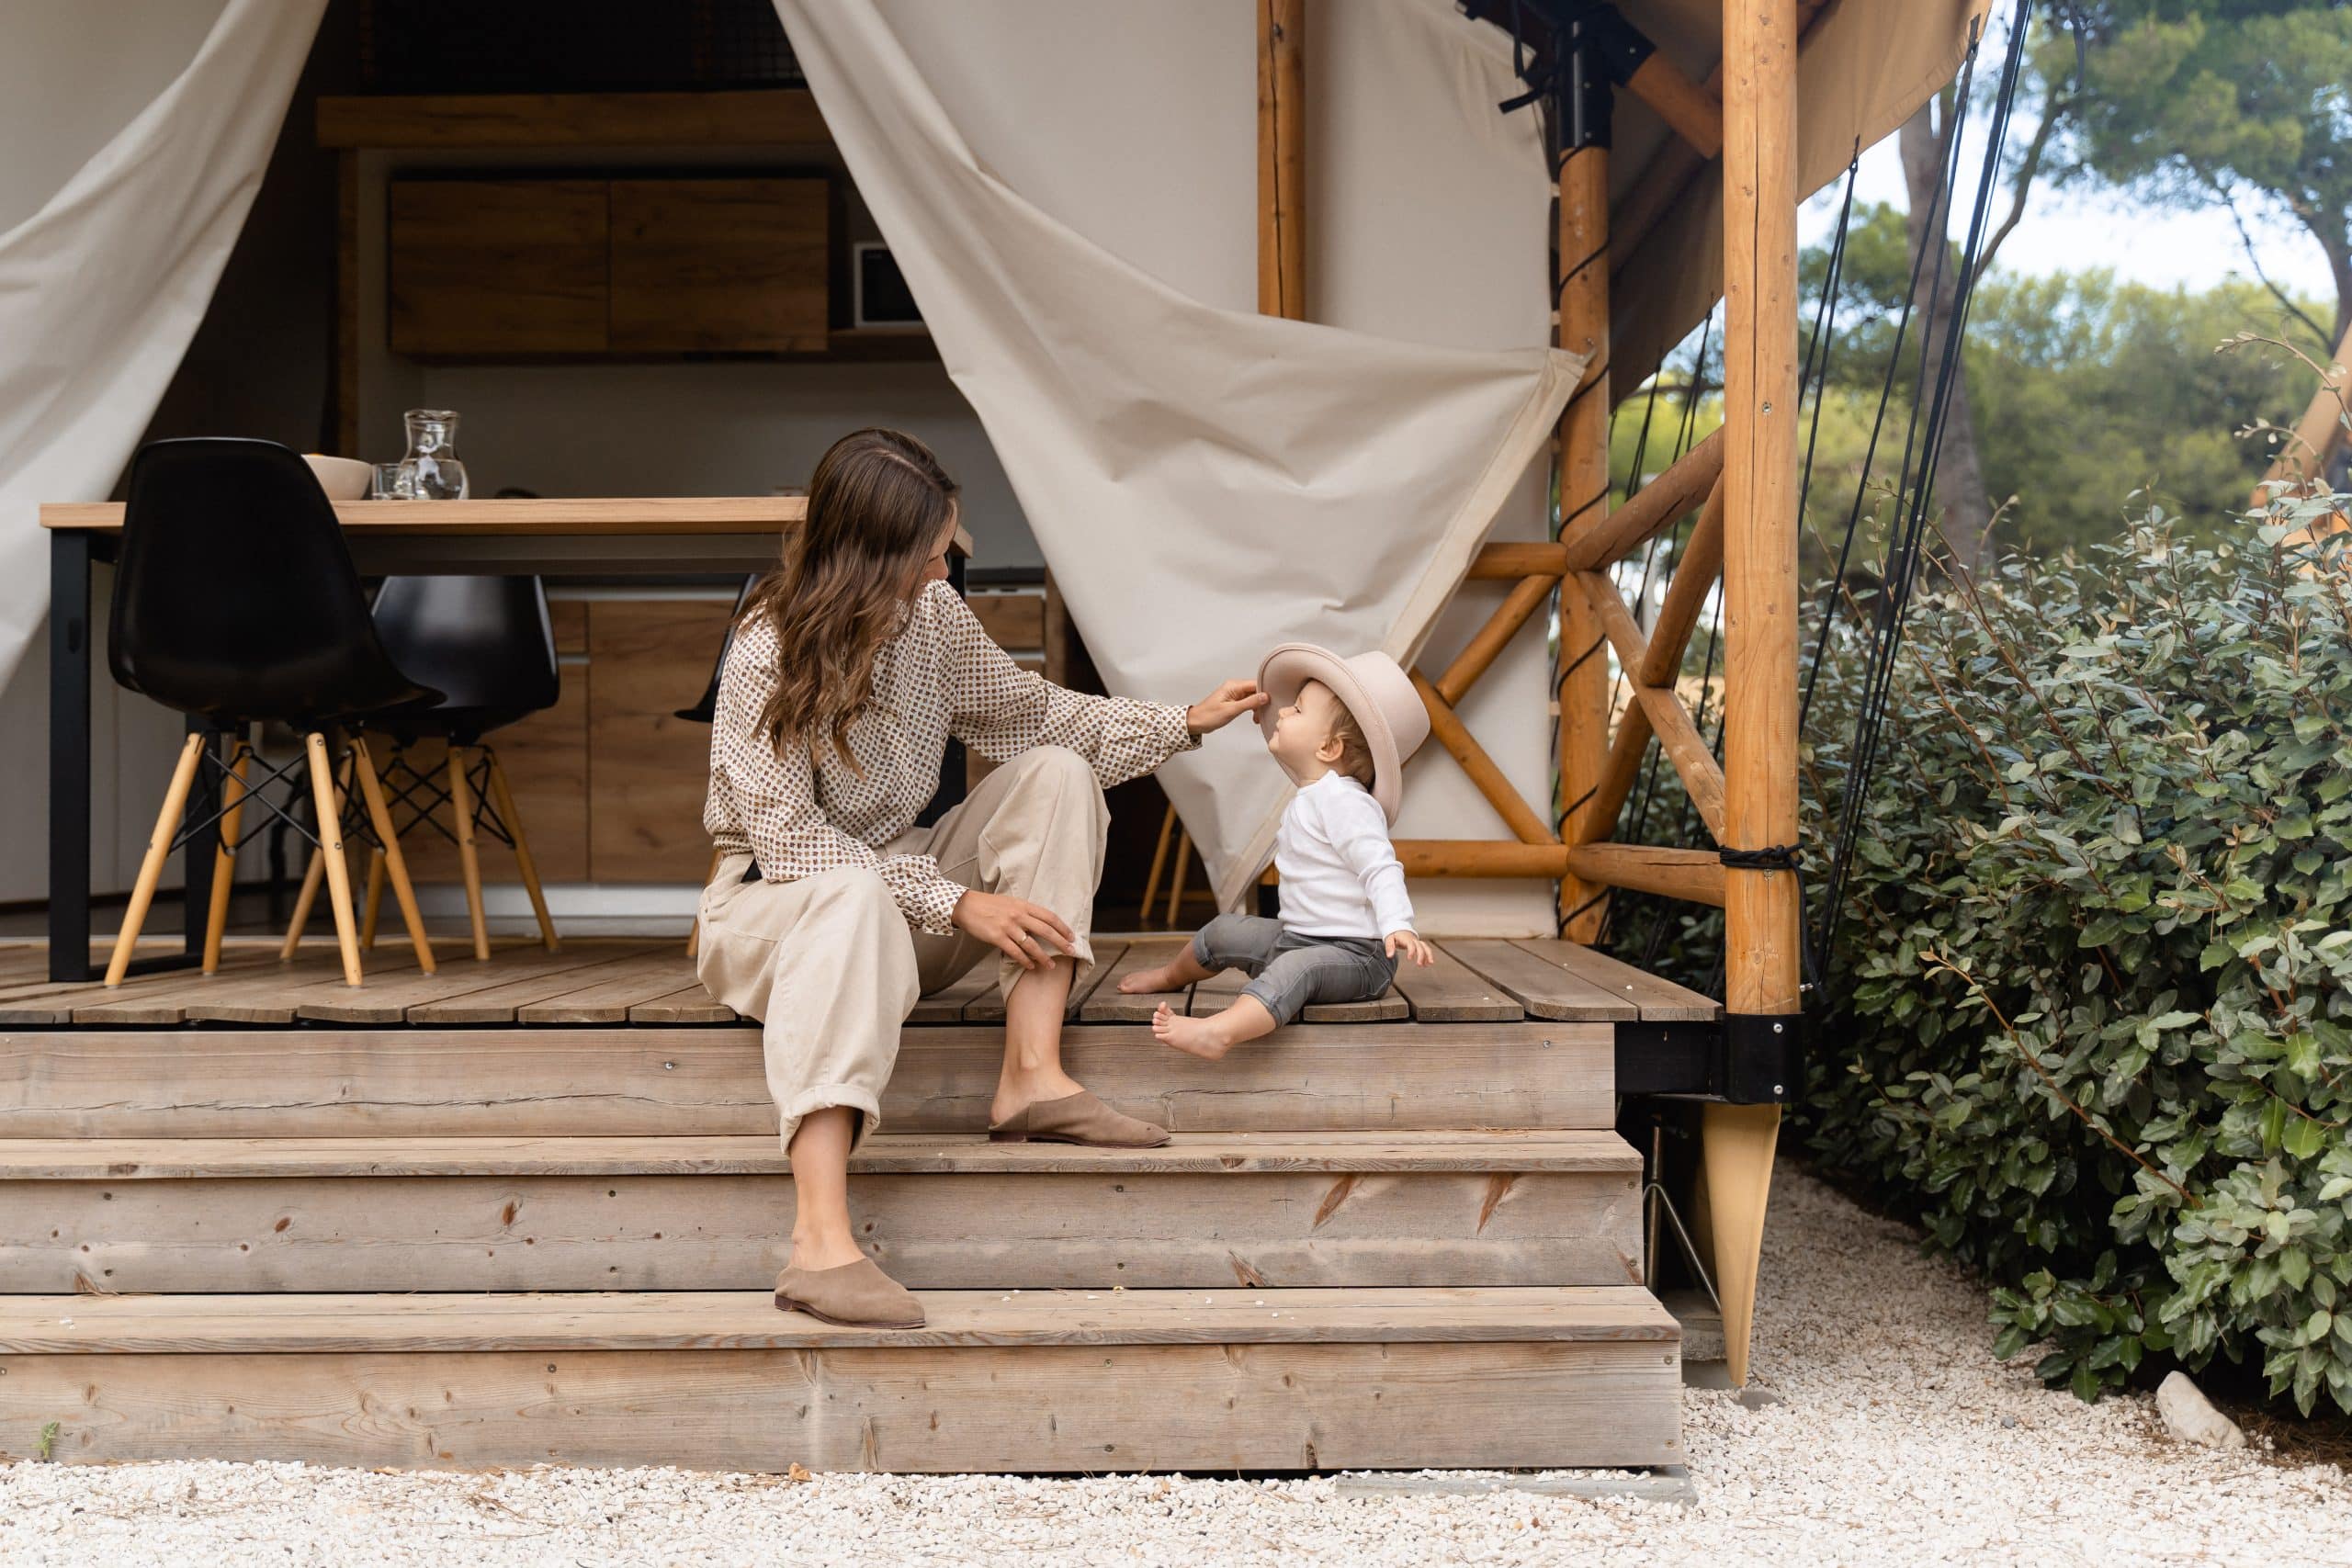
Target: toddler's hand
<point x="1413" y="946"/>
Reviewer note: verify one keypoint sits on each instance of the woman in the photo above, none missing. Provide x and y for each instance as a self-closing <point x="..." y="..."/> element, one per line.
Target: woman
<point x="831" y="912"/>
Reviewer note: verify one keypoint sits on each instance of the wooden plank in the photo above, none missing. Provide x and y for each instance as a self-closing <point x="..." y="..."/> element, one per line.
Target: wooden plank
<point x="1480" y="857"/>
<point x="137" y="1160"/>
<point x="688" y="1005"/>
<point x="350" y="1083"/>
<point x="940" y="1212"/>
<point x="498" y="266"/>
<point x="988" y="1006"/>
<point x="1386" y="1006"/>
<point x="724" y="264"/>
<point x="1540" y="985"/>
<point x="946" y="1005"/>
<point x="1449" y="991"/>
<point x="605" y="994"/>
<point x="1660" y="1000"/>
<point x="1193" y="1408"/>
<point x="765" y="117"/>
<point x="387" y="999"/>
<point x="1105" y="1004"/>
<point x="496" y="1002"/>
<point x="651" y="768"/>
<point x="519" y="518"/>
<point x="690" y="1320"/>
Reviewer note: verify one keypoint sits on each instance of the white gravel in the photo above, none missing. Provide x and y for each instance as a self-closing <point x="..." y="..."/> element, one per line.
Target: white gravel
<point x="1896" y="1439"/>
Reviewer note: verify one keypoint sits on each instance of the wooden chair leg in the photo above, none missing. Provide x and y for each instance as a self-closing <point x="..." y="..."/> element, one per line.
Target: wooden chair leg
<point x="312" y="874"/>
<point x="1176" y="886"/>
<point x="330" y="808"/>
<point x="1735" y="1146"/>
<point x="503" y="799"/>
<point x="387" y="860"/>
<point x="372" y="907"/>
<point x="1158" y="861"/>
<point x="693" y="933"/>
<point x="462" y="807"/>
<point x="159" y="850"/>
<point x="224" y="859"/>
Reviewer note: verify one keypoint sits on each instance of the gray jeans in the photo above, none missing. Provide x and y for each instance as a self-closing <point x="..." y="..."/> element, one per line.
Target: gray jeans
<point x="1287" y="970"/>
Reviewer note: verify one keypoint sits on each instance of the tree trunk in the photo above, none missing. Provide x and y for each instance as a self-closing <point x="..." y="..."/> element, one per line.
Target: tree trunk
<point x="1963" y="510"/>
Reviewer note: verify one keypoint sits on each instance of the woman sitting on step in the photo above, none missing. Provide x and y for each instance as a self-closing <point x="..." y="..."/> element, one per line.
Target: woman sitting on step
<point x="831" y="912"/>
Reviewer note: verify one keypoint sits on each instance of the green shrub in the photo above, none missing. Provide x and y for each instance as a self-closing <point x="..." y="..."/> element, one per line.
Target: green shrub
<point x="2094" y="982"/>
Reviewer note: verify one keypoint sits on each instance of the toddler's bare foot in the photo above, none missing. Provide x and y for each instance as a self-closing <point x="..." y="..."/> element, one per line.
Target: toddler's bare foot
<point x="1143" y="982"/>
<point x="1196" y="1036"/>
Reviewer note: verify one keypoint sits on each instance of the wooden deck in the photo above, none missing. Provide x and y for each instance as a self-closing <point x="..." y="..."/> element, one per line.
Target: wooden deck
<point x="530" y="1209"/>
<point x="648" y="984"/>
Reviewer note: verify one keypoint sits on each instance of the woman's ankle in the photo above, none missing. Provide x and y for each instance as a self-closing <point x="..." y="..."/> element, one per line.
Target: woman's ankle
<point x="823" y="1249"/>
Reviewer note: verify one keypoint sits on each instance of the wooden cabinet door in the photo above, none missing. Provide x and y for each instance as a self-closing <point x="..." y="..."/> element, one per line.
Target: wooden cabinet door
<point x="499" y="266"/>
<point x="648" y="769"/>
<point x="718" y="266"/>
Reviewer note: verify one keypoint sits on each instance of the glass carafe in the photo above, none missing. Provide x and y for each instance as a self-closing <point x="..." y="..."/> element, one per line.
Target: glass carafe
<point x="433" y="454"/>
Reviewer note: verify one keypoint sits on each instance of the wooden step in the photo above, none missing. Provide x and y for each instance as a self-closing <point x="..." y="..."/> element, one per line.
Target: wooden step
<point x="330" y="1082"/>
<point x="1040" y="1382"/>
<point x="713" y="1213"/>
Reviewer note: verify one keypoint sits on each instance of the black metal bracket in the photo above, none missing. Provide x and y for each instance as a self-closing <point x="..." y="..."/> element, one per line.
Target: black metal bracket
<point x="1573" y="54"/>
<point x="1744" y="1059"/>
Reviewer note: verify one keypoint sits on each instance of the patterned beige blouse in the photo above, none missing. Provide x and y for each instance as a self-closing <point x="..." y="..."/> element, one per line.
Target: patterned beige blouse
<point x="940" y="676"/>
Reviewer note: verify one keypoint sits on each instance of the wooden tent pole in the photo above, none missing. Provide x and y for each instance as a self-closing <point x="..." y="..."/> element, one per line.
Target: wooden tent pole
<point x="1282" y="158"/>
<point x="1761" y="911"/>
<point x="1581" y="323"/>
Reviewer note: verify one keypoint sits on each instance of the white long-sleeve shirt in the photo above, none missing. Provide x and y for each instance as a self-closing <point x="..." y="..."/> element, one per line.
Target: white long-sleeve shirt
<point x="1340" y="874"/>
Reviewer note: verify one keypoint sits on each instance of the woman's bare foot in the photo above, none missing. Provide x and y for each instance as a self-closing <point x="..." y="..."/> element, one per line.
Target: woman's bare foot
<point x="1210" y="1038"/>
<point x="1173" y="976"/>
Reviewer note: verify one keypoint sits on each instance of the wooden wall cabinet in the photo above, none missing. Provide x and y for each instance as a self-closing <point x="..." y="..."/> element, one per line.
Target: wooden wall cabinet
<point x="519" y="268"/>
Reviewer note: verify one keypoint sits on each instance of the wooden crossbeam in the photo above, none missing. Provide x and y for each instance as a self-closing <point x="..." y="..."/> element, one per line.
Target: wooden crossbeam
<point x="1669" y="719"/>
<point x="1692" y="111"/>
<point x="1694" y="874"/>
<point x="1481" y="857"/>
<point x="1596" y="540"/>
<point x="1507" y="562"/>
<point x="1530" y="596"/>
<point x="1455" y="736"/>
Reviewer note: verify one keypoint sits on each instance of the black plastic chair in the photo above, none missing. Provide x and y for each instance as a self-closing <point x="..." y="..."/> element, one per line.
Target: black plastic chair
<point x="236" y="602"/>
<point x="487" y="644"/>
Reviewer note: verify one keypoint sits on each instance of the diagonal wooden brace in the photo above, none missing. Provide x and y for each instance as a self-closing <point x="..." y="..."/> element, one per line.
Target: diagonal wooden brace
<point x="1456" y="738"/>
<point x="1595" y="539"/>
<point x="1530" y="596"/>
<point x="1669" y="719"/>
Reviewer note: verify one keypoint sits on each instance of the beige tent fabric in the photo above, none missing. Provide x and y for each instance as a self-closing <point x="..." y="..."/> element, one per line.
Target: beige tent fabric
<point x="1205" y="481"/>
<point x="1864" y="67"/>
<point x="102" y="288"/>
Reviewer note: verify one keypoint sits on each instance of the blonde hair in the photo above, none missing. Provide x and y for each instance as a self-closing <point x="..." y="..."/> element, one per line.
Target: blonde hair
<point x="1355" y="752"/>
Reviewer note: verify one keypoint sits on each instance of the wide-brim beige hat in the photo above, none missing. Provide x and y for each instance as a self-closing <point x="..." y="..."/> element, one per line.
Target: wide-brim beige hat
<point x="1371" y="687"/>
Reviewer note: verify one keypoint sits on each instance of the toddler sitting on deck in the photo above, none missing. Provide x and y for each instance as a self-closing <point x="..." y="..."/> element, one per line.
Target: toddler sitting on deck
<point x="1341" y="730"/>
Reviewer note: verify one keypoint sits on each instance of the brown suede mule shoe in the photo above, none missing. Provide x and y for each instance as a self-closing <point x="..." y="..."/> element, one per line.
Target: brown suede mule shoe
<point x="1076" y="1119"/>
<point x="855" y="1295"/>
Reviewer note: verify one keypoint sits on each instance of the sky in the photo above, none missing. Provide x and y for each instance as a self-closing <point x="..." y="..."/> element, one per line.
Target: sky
<point x="2081" y="226"/>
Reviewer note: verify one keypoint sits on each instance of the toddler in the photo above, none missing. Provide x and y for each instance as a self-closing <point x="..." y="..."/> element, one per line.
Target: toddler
<point x="1341" y="730"/>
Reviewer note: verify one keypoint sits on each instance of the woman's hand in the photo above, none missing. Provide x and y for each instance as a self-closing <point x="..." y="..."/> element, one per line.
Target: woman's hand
<point x="1222" y="706"/>
<point x="1014" y="927"/>
<point x="1413" y="947"/>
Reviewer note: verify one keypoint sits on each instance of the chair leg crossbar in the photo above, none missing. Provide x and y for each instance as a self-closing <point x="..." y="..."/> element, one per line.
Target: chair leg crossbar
<point x="473" y="787"/>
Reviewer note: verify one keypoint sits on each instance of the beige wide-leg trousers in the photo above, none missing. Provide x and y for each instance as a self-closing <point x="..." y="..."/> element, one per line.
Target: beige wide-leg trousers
<point x="832" y="969"/>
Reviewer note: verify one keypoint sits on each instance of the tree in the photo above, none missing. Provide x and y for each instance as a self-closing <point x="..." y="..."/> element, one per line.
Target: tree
<point x="2228" y="105"/>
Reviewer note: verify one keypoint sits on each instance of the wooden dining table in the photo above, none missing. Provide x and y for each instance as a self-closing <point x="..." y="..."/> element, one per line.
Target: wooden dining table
<point x="637" y="538"/>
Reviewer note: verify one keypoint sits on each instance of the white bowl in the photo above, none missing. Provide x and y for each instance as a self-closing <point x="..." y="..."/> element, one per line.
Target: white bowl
<point x="344" y="479"/>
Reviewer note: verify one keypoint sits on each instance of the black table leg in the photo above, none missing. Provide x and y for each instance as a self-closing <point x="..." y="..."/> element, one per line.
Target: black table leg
<point x="69" y="755"/>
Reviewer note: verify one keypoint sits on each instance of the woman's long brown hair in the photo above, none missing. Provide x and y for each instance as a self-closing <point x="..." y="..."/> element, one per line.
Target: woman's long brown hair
<point x="878" y="506"/>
